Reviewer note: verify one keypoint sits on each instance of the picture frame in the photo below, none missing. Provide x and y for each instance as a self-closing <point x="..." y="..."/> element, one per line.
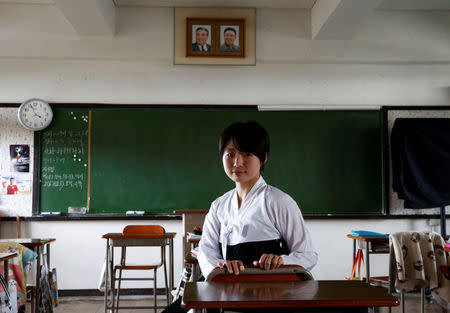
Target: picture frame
<point x="215" y="37"/>
<point x="180" y="44"/>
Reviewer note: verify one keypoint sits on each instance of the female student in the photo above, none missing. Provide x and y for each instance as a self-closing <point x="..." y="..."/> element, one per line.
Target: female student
<point x="255" y="223"/>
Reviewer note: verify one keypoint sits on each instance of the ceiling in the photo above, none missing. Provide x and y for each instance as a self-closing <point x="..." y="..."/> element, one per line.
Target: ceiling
<point x="330" y="19"/>
<point x="298" y="4"/>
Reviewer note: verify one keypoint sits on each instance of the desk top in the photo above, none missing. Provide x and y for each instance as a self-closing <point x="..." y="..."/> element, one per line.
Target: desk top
<point x="190" y="211"/>
<point x="121" y="236"/>
<point x="7" y="256"/>
<point x="308" y="294"/>
<point x="369" y="238"/>
<point x="30" y="242"/>
<point x="193" y="241"/>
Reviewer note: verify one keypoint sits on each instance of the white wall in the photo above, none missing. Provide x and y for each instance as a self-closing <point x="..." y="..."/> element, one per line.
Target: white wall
<point x="79" y="251"/>
<point x="396" y="58"/>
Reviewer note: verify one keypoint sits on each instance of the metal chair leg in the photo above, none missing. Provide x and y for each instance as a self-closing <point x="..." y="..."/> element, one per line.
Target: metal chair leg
<point x="33" y="300"/>
<point x="402" y="302"/>
<point x="166" y="283"/>
<point x="422" y="300"/>
<point x="154" y="289"/>
<point x="118" y="290"/>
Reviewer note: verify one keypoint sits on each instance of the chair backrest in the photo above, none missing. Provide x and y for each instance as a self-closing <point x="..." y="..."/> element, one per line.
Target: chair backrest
<point x="417" y="258"/>
<point x="19" y="232"/>
<point x="136" y="230"/>
<point x="252" y="274"/>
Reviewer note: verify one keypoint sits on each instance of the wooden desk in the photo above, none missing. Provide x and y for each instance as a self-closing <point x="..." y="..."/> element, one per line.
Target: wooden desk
<point x="120" y="240"/>
<point x="372" y="245"/>
<point x="341" y="294"/>
<point x="5" y="257"/>
<point x="37" y="245"/>
<point x="190" y="260"/>
<point x="191" y="218"/>
<point x="193" y="242"/>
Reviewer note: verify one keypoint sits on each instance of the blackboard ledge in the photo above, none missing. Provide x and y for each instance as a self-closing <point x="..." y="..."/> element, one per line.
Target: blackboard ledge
<point x="175" y="217"/>
<point x="369" y="216"/>
<point x="95" y="217"/>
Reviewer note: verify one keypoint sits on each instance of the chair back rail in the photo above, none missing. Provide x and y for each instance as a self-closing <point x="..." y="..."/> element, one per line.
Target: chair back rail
<point x="252" y="274"/>
<point x="144" y="230"/>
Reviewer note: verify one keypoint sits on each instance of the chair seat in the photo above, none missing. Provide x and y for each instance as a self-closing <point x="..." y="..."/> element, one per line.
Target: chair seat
<point x="382" y="281"/>
<point x="135" y="267"/>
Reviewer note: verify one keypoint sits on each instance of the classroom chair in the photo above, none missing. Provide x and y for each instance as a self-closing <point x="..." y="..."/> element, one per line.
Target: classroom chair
<point x="144" y="231"/>
<point x="31" y="289"/>
<point x="415" y="263"/>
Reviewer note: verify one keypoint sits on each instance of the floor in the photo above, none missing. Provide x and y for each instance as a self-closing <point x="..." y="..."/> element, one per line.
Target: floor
<point x="95" y="305"/>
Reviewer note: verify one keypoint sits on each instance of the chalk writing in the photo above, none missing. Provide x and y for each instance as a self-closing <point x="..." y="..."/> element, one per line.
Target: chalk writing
<point x="64" y="153"/>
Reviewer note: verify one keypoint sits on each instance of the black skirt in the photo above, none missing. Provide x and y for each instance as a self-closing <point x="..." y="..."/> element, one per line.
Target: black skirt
<point x="248" y="252"/>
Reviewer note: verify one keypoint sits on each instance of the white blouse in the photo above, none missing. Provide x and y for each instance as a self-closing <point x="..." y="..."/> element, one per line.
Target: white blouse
<point x="267" y="213"/>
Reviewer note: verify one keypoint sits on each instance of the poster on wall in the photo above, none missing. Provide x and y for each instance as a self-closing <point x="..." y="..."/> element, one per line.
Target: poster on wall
<point x="20" y="158"/>
<point x="15" y="184"/>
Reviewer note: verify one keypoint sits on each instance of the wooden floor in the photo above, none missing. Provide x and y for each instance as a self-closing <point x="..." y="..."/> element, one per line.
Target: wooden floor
<point x="95" y="305"/>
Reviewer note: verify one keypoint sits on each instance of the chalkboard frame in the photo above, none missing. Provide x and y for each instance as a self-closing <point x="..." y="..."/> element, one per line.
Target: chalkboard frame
<point x="383" y="211"/>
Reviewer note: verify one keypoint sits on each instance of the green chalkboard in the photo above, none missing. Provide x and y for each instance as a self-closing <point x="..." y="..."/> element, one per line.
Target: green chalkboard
<point x="160" y="160"/>
<point x="64" y="161"/>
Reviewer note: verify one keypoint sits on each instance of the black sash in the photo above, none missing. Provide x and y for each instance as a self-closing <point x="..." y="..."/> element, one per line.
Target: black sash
<point x="248" y="252"/>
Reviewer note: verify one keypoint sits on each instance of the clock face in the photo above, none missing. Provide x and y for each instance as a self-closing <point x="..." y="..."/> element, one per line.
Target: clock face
<point x="35" y="114"/>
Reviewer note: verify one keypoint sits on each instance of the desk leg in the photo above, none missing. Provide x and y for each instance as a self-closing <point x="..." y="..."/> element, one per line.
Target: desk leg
<point x="48" y="256"/>
<point x="392" y="266"/>
<point x="354" y="251"/>
<point x="112" y="279"/>
<point x="367" y="263"/>
<point x="171" y="269"/>
<point x="37" y="295"/>
<point x="6" y="271"/>
<point x="106" y="275"/>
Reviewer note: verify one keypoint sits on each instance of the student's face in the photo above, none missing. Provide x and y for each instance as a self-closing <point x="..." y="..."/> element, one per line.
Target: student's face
<point x="229" y="37"/>
<point x="240" y="167"/>
<point x="201" y="36"/>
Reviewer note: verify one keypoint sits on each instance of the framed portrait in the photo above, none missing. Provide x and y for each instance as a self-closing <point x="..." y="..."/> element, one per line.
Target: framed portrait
<point x="218" y="37"/>
<point x="230" y="33"/>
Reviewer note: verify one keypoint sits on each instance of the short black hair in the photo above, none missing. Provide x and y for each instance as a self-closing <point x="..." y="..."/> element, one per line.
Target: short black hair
<point x="248" y="137"/>
<point x="229" y="28"/>
<point x="202" y="28"/>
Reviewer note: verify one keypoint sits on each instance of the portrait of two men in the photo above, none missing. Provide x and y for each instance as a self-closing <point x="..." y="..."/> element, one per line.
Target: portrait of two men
<point x="215" y="38"/>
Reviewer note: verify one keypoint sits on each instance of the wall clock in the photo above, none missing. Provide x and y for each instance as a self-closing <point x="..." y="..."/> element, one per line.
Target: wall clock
<point x="35" y="114"/>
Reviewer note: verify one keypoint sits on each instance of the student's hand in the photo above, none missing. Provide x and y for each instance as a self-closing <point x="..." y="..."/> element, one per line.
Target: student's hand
<point x="269" y="261"/>
<point x="233" y="266"/>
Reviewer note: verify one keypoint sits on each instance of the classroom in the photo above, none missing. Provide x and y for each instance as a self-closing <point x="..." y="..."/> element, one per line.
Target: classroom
<point x="384" y="58"/>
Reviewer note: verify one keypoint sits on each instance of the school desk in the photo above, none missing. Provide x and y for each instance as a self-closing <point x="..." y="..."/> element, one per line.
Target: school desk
<point x="5" y="257"/>
<point x="372" y="245"/>
<point x="37" y="245"/>
<point x="121" y="240"/>
<point x="344" y="295"/>
<point x="190" y="260"/>
<point x="190" y="219"/>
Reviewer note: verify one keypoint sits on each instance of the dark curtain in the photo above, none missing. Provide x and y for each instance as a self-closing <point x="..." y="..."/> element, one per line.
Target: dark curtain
<point x="421" y="161"/>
